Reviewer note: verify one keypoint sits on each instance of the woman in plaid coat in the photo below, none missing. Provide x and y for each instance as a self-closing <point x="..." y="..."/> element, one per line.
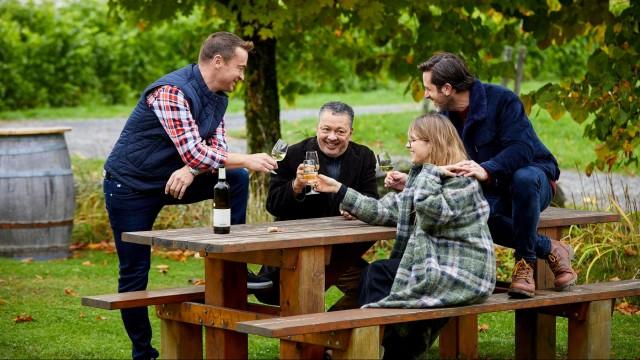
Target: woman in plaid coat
<point x="443" y="254"/>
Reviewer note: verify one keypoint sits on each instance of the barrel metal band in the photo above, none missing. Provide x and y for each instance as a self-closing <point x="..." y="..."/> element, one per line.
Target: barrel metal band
<point x="30" y="174"/>
<point x="35" y="224"/>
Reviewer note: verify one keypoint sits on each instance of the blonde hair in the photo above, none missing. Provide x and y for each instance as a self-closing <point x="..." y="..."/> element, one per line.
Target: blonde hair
<point x="444" y="145"/>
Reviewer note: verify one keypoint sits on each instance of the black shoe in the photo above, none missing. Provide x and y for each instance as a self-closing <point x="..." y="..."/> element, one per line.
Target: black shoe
<point x="257" y="282"/>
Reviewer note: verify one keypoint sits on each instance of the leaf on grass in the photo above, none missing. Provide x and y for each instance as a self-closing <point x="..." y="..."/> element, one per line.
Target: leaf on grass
<point x="483" y="328"/>
<point x="102" y="245"/>
<point x="630" y="251"/>
<point x="39" y="277"/>
<point x="88" y="263"/>
<point x="27" y="260"/>
<point x="69" y="291"/>
<point x="77" y="246"/>
<point x="196" y="281"/>
<point x="163" y="268"/>
<point x="23" y="318"/>
<point x="3" y="301"/>
<point x="615" y="278"/>
<point x="82" y="315"/>
<point x="628" y="309"/>
<point x="100" y="317"/>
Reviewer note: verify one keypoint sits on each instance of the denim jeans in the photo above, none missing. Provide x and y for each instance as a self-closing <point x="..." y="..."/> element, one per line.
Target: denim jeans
<point x="514" y="216"/>
<point x="130" y="210"/>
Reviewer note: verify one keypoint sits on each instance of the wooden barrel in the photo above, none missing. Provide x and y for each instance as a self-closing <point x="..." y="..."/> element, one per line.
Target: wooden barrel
<point x="37" y="196"/>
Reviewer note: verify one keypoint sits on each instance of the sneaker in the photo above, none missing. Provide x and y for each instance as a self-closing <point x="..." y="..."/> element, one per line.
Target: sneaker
<point x="256" y="282"/>
<point x="522" y="283"/>
<point x="559" y="261"/>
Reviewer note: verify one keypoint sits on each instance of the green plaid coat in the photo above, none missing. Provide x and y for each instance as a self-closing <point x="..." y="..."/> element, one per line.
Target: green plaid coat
<point x="443" y="240"/>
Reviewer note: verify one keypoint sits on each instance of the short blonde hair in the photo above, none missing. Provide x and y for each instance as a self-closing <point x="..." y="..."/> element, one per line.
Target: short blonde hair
<point x="444" y="144"/>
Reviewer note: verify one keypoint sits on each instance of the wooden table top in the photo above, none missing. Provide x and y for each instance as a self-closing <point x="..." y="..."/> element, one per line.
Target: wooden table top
<point x="313" y="232"/>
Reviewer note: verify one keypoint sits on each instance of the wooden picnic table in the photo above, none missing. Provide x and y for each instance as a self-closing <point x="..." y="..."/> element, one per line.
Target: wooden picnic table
<point x="301" y="248"/>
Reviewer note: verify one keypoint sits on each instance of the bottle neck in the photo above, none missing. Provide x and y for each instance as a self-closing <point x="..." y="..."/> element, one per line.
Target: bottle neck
<point x="222" y="174"/>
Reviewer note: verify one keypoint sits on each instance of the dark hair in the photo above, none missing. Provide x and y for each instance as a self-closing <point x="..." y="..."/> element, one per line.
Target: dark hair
<point x="224" y="44"/>
<point x="337" y="107"/>
<point x="448" y="68"/>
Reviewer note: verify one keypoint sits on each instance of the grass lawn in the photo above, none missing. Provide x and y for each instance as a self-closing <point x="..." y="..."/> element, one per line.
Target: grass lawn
<point x="50" y="293"/>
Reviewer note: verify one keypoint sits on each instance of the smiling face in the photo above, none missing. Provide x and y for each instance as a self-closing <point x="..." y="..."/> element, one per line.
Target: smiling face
<point x="440" y="97"/>
<point x="333" y="133"/>
<point x="418" y="148"/>
<point x="229" y="73"/>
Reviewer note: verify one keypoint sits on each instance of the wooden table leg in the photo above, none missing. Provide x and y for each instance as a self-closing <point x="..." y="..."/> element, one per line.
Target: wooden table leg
<point x="591" y="338"/>
<point x="536" y="333"/>
<point x="225" y="286"/>
<point x="459" y="338"/>
<point x="180" y="340"/>
<point x="302" y="292"/>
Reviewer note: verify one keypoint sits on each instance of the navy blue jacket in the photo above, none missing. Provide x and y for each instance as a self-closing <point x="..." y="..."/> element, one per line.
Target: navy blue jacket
<point x="498" y="135"/>
<point x="144" y="157"/>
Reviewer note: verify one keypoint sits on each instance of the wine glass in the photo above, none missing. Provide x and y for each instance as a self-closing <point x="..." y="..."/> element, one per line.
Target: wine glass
<point x="384" y="162"/>
<point x="279" y="151"/>
<point x="313" y="155"/>
<point x="310" y="169"/>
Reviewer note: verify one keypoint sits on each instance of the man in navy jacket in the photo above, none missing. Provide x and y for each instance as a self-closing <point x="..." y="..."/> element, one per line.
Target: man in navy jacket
<point x="517" y="172"/>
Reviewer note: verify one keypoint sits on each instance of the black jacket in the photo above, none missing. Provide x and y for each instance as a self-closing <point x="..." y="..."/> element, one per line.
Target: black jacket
<point x="357" y="171"/>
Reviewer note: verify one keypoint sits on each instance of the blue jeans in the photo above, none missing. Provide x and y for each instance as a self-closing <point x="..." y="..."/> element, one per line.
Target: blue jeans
<point x="130" y="210"/>
<point x="514" y="217"/>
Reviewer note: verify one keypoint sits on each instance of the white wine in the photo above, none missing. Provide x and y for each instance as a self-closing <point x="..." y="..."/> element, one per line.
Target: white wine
<point x="310" y="177"/>
<point x="386" y="168"/>
<point x="221" y="213"/>
<point x="278" y="156"/>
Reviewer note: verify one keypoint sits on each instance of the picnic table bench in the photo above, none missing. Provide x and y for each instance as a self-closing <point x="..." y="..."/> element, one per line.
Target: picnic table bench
<point x="301" y="249"/>
<point x="356" y="333"/>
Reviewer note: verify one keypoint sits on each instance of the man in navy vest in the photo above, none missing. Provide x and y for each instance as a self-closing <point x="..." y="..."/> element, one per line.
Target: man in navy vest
<point x="168" y="153"/>
<point x="517" y="172"/>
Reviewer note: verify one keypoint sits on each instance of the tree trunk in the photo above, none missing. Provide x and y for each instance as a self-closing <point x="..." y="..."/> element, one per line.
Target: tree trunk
<point x="262" y="111"/>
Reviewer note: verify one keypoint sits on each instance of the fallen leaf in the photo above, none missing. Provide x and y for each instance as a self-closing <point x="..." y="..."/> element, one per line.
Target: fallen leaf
<point x="77" y="246"/>
<point x="76" y="255"/>
<point x="197" y="255"/>
<point x="23" y="318"/>
<point x="39" y="277"/>
<point x="100" y="317"/>
<point x="628" y="309"/>
<point x="70" y="292"/>
<point x="27" y="260"/>
<point x="163" y="268"/>
<point x="483" y="328"/>
<point x="88" y="263"/>
<point x="615" y="278"/>
<point x="273" y="229"/>
<point x="196" y="281"/>
<point x="630" y="251"/>
<point x="3" y="301"/>
<point x="82" y="315"/>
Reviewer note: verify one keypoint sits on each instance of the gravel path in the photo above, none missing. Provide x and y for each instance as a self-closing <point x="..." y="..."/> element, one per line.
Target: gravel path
<point x="93" y="138"/>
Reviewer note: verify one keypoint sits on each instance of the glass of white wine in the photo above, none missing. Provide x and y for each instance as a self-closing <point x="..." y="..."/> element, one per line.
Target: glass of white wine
<point x="384" y="162"/>
<point x="279" y="151"/>
<point x="310" y="174"/>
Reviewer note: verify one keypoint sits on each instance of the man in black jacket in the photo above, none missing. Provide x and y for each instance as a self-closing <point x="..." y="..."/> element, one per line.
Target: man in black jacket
<point x="350" y="163"/>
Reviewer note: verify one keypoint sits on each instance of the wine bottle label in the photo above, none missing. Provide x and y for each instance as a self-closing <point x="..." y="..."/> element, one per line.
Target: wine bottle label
<point x="221" y="217"/>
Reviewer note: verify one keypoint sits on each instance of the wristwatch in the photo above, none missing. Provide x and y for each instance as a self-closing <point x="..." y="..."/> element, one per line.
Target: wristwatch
<point x="194" y="172"/>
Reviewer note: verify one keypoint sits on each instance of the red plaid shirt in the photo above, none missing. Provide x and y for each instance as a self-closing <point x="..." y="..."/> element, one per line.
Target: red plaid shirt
<point x="172" y="109"/>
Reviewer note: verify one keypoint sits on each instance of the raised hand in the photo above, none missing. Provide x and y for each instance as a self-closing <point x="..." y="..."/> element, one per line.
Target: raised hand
<point x="395" y="180"/>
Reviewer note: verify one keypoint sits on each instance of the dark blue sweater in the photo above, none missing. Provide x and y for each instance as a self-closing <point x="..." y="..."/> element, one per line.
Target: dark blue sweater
<point x="498" y="135"/>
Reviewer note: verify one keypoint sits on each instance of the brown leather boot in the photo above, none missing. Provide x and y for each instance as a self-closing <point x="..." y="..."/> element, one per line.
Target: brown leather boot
<point x="522" y="283"/>
<point x="559" y="261"/>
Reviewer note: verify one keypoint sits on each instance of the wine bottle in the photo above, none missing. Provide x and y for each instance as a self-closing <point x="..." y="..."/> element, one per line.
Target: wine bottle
<point x="221" y="210"/>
